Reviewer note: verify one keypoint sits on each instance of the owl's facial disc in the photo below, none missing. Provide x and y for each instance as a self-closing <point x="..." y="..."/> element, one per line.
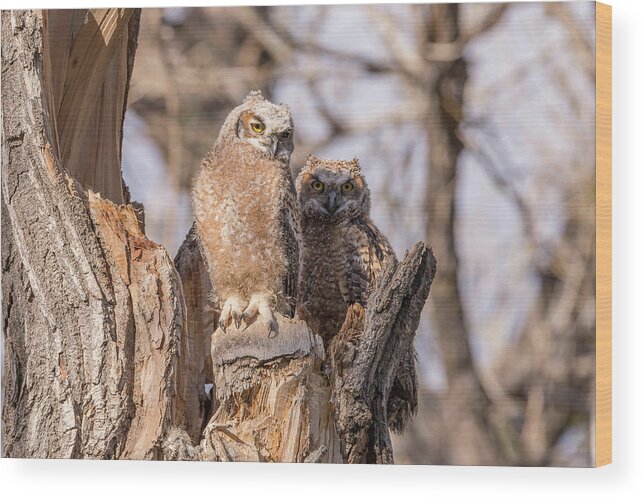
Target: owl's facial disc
<point x="331" y="196"/>
<point x="270" y="133"/>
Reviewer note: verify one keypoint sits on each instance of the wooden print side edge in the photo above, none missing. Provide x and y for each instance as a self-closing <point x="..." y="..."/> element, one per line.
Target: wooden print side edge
<point x="603" y="427"/>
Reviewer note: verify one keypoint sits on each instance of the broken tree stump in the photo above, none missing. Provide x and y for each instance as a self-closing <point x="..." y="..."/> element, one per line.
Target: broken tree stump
<point x="282" y="399"/>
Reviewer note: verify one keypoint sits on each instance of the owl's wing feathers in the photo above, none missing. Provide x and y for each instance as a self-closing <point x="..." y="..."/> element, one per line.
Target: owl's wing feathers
<point x="403" y="399"/>
<point x="377" y="253"/>
<point x="372" y="250"/>
<point x="352" y="284"/>
<point x="291" y="234"/>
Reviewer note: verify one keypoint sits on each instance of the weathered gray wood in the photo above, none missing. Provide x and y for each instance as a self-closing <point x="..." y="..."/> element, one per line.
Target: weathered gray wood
<point x="193" y="405"/>
<point x="273" y="403"/>
<point x="274" y="392"/>
<point x="369" y="348"/>
<point x="92" y="309"/>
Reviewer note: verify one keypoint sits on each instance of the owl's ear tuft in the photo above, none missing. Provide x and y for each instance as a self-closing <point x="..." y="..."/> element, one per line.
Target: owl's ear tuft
<point x="312" y="160"/>
<point x="354" y="165"/>
<point x="254" y="95"/>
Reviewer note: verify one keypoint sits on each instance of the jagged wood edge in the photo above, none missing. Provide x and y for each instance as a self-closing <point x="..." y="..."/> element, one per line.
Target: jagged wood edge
<point x="367" y="350"/>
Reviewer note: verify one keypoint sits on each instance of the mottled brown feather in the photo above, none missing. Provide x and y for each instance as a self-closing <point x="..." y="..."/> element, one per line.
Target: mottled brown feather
<point x="246" y="215"/>
<point x="342" y="256"/>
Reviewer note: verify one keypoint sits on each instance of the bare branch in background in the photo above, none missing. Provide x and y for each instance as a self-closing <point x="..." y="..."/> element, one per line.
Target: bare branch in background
<point x="494" y="16"/>
<point x="581" y="43"/>
<point x="504" y="185"/>
<point x="406" y="57"/>
<point x="262" y="31"/>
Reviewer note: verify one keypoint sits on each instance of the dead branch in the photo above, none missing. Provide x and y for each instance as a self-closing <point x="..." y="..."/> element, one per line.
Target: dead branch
<point x="495" y="14"/>
<point x="367" y="350"/>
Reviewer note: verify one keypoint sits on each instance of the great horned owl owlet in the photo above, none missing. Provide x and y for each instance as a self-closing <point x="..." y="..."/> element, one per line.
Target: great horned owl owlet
<point x="342" y="254"/>
<point x="246" y="214"/>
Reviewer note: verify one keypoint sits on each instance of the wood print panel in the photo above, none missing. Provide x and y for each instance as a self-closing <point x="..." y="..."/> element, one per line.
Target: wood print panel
<point x="472" y="141"/>
<point x="603" y="234"/>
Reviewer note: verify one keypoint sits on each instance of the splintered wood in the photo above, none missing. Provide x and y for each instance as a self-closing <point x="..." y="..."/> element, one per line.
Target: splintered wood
<point x="273" y="402"/>
<point x="144" y="277"/>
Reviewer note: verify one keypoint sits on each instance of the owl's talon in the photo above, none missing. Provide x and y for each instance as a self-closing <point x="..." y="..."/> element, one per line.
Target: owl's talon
<point x="237" y="319"/>
<point x="272" y="328"/>
<point x="245" y="318"/>
<point x="250" y="313"/>
<point x="231" y="312"/>
<point x="260" y="306"/>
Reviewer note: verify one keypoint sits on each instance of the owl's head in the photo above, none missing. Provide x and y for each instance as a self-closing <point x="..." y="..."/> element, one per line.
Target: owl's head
<point x="266" y="126"/>
<point x="332" y="190"/>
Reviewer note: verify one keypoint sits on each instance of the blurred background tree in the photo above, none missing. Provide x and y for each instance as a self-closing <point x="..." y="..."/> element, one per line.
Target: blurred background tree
<point x="474" y="124"/>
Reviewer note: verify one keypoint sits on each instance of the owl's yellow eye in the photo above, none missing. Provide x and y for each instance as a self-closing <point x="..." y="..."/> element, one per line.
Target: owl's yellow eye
<point x="317" y="186"/>
<point x="347" y="187"/>
<point x="257" y="127"/>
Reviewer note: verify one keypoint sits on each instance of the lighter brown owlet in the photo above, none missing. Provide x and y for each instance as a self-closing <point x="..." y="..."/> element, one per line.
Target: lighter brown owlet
<point x="246" y="214"/>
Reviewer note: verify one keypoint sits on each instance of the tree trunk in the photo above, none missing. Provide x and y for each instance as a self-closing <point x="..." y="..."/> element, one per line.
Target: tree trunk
<point x="367" y="351"/>
<point x="465" y="406"/>
<point x="106" y="339"/>
<point x="195" y="365"/>
<point x="92" y="309"/>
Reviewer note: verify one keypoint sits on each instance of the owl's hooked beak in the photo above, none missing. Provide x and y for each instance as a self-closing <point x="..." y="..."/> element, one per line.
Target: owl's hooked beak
<point x="274" y="146"/>
<point x="331" y="202"/>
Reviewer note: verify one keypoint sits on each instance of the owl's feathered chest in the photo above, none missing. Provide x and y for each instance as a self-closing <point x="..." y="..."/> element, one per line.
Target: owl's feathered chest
<point x="340" y="263"/>
<point x="242" y="203"/>
<point x="348" y="246"/>
<point x="241" y="190"/>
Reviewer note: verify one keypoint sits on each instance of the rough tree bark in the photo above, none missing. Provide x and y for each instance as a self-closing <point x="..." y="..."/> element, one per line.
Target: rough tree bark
<point x="194" y="361"/>
<point x="106" y="339"/>
<point x="92" y="309"/>
<point x="369" y="348"/>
